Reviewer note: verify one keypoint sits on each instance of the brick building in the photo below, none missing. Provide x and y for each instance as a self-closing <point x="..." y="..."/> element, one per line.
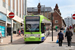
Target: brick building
<point x="57" y="19"/>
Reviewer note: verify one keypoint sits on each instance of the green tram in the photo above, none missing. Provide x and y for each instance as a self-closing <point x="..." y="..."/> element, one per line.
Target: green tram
<point x="35" y="28"/>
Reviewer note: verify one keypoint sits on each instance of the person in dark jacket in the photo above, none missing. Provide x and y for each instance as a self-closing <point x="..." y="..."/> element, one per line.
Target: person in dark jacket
<point x="69" y="35"/>
<point x="22" y="31"/>
<point x="60" y="37"/>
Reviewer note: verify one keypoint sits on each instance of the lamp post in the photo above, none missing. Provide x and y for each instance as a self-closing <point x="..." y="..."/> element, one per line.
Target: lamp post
<point x="68" y="21"/>
<point x="52" y="22"/>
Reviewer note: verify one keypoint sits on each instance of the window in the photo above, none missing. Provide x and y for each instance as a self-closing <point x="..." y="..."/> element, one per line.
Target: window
<point x="9" y="8"/>
<point x="17" y="13"/>
<point x="20" y="15"/>
<point x="4" y="4"/>
<point x="56" y="21"/>
<point x="32" y="24"/>
<point x="13" y="11"/>
<point x="32" y="27"/>
<point x="43" y="28"/>
<point x="45" y="9"/>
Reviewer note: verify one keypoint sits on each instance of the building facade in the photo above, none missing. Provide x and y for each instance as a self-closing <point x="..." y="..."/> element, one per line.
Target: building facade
<point x="69" y="21"/>
<point x="18" y="7"/>
<point x="57" y="19"/>
<point x="39" y="10"/>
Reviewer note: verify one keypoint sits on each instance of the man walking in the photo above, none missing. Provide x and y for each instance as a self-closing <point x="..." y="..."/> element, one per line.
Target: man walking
<point x="69" y="35"/>
<point x="60" y="37"/>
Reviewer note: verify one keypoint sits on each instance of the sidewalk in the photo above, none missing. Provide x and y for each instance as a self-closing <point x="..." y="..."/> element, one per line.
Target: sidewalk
<point x="20" y="39"/>
<point x="16" y="39"/>
<point x="49" y="38"/>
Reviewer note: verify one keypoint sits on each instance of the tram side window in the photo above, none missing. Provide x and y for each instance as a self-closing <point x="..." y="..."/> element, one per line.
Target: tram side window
<point x="42" y="28"/>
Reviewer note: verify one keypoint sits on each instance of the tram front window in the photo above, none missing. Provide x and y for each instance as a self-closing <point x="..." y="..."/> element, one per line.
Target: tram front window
<point x="32" y="27"/>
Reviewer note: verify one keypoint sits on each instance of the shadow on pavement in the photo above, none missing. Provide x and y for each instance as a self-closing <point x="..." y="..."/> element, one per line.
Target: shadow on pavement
<point x="21" y="41"/>
<point x="33" y="42"/>
<point x="72" y="43"/>
<point x="65" y="43"/>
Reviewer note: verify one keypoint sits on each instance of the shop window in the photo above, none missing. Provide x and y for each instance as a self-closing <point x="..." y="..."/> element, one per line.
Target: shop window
<point x="2" y="28"/>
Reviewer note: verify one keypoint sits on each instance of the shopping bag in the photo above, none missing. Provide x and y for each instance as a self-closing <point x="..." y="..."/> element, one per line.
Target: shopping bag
<point x="64" y="31"/>
<point x="57" y="41"/>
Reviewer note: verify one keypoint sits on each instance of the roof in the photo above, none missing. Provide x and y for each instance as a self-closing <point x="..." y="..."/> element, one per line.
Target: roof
<point x="43" y="19"/>
<point x="35" y="9"/>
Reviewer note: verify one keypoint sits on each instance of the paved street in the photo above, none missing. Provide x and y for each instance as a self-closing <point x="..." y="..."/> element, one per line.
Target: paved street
<point x="18" y="44"/>
<point x="41" y="46"/>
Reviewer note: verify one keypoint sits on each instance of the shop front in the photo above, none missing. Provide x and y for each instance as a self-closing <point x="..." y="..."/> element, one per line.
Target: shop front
<point x="2" y="23"/>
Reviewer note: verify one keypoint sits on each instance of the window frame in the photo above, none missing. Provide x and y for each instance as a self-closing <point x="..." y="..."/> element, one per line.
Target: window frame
<point x="56" y="21"/>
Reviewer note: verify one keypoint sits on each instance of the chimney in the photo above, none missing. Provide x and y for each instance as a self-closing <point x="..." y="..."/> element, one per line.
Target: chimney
<point x="39" y="8"/>
<point x="56" y="7"/>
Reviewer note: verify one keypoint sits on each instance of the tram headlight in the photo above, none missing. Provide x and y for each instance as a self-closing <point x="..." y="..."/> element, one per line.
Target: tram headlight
<point x="38" y="35"/>
<point x="26" y="36"/>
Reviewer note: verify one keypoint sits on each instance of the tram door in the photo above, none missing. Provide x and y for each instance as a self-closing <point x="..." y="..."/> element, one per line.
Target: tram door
<point x="43" y="28"/>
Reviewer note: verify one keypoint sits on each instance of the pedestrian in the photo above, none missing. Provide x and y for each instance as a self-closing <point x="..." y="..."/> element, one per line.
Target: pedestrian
<point x="56" y="28"/>
<point x="60" y="38"/>
<point x="69" y="35"/>
<point x="0" y="36"/>
<point x="74" y="30"/>
<point x="22" y="31"/>
<point x="18" y="31"/>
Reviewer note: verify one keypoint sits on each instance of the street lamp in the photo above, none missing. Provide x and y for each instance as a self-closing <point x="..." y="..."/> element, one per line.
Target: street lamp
<point x="52" y="22"/>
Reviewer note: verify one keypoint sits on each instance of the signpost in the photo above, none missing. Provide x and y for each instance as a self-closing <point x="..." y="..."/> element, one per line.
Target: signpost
<point x="11" y="15"/>
<point x="73" y="16"/>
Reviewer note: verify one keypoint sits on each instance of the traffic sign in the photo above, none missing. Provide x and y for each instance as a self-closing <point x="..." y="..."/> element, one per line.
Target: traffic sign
<point x="11" y="15"/>
<point x="73" y="16"/>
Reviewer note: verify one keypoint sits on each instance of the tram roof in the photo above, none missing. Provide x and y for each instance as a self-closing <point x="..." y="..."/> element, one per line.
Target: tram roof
<point x="43" y="18"/>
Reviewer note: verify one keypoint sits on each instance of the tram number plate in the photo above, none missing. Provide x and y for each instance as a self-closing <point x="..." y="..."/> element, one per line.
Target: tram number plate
<point x="32" y="35"/>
